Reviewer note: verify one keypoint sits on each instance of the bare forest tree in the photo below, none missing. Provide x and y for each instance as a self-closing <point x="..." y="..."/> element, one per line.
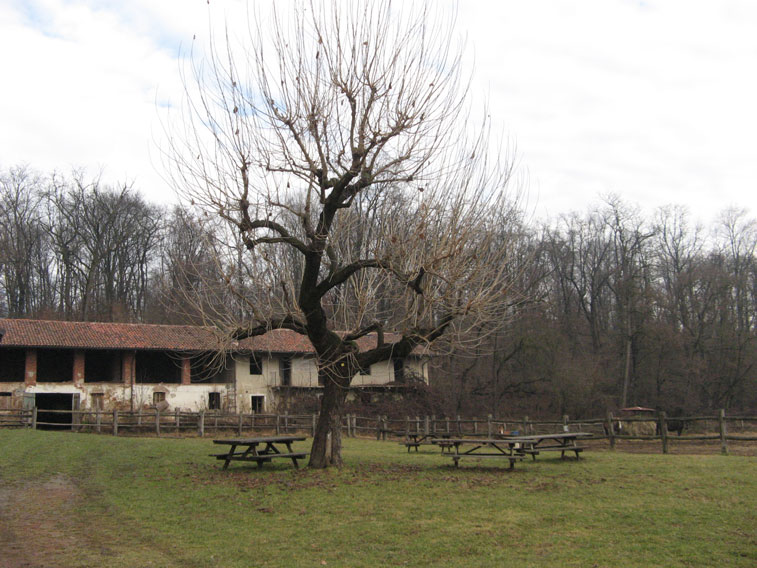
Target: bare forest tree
<point x="335" y="143"/>
<point x="104" y="240"/>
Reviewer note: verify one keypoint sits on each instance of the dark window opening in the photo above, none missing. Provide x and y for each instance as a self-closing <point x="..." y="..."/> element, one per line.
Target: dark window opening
<point x="399" y="370"/>
<point x="258" y="404"/>
<point x="5" y="400"/>
<point x="256" y="365"/>
<point x="55" y="366"/>
<point x="285" y="366"/>
<point x="214" y="401"/>
<point x="158" y="397"/>
<point x="101" y="366"/>
<point x="157" y="367"/>
<point x="97" y="401"/>
<point x="207" y="368"/>
<point x="12" y="365"/>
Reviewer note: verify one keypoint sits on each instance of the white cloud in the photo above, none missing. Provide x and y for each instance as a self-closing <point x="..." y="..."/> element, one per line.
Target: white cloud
<point x="652" y="100"/>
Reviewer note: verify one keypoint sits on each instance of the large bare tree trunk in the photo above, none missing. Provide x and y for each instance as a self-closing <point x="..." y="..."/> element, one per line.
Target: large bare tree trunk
<point x="327" y="442"/>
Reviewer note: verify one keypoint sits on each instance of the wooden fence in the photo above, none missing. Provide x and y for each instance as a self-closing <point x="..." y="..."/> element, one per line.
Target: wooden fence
<point x="719" y="427"/>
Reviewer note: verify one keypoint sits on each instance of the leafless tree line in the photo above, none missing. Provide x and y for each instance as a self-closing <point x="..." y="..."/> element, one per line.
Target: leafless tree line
<point x="614" y="309"/>
<point x="625" y="311"/>
<point x="75" y="248"/>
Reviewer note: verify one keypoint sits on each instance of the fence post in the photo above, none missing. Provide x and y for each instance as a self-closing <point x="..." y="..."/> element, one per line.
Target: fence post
<point x="34" y="418"/>
<point x="157" y="422"/>
<point x="475" y="426"/>
<point x="378" y="427"/>
<point x="417" y="424"/>
<point x="662" y="424"/>
<point x="611" y="430"/>
<point x="315" y="419"/>
<point x="201" y="424"/>
<point x="446" y="423"/>
<point x="115" y="422"/>
<point x="98" y="421"/>
<point x="565" y="425"/>
<point x="721" y="425"/>
<point x="177" y="420"/>
<point x="459" y="426"/>
<point x="489" y="431"/>
<point x="525" y="426"/>
<point x="278" y="424"/>
<point x="139" y="416"/>
<point x="426" y="429"/>
<point x="407" y="425"/>
<point x="354" y="425"/>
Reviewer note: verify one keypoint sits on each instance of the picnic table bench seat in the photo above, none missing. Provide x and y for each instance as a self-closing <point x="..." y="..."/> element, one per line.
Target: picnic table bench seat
<point x="535" y="452"/>
<point x="259" y="457"/>
<point x="511" y="458"/>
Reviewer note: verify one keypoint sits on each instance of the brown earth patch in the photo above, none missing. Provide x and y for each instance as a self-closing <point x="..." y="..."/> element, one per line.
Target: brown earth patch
<point x="38" y="523"/>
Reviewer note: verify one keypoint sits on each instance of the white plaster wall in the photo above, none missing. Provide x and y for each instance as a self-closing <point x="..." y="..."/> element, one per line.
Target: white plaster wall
<point x="381" y="373"/>
<point x="304" y="372"/>
<point x="255" y="385"/>
<point x="419" y="366"/>
<point x="187" y="397"/>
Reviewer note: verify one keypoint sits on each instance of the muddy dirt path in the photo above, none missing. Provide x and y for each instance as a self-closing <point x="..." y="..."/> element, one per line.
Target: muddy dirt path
<point x="38" y="523"/>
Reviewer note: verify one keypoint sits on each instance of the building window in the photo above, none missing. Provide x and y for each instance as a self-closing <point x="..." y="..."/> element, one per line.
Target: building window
<point x="257" y="404"/>
<point x="214" y="400"/>
<point x="158" y="397"/>
<point x="256" y="365"/>
<point x="5" y="400"/>
<point x="96" y="400"/>
<point x="285" y="367"/>
<point x="101" y="366"/>
<point x="12" y="362"/>
<point x="399" y="370"/>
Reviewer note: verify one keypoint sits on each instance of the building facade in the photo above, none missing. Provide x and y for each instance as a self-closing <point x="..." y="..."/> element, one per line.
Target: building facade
<point x="60" y="365"/>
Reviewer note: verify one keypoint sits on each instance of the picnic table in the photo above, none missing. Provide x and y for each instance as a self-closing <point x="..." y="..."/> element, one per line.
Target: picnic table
<point x="415" y="439"/>
<point x="498" y="448"/>
<point x="556" y="442"/>
<point x="249" y="449"/>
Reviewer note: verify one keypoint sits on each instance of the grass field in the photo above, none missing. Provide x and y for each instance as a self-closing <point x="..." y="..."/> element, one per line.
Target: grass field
<point x="88" y="500"/>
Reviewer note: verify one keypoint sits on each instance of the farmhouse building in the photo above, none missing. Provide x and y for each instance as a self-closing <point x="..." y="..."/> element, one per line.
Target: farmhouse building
<point x="59" y="365"/>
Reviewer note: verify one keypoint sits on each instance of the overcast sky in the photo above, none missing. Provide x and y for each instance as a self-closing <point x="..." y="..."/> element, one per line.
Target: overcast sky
<point x="653" y="100"/>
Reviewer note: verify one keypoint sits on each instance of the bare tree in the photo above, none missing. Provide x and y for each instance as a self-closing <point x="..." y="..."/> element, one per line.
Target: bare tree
<point x="24" y="251"/>
<point x="336" y="145"/>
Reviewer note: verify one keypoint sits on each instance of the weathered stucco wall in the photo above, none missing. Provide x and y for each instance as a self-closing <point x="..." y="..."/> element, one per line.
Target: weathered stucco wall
<point x="117" y="395"/>
<point x="196" y="396"/>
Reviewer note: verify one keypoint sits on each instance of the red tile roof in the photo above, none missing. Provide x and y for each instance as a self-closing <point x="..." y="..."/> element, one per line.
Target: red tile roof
<point x="98" y="335"/>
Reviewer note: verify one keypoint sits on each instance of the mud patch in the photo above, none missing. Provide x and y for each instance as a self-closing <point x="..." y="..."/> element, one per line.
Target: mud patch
<point x="38" y="523"/>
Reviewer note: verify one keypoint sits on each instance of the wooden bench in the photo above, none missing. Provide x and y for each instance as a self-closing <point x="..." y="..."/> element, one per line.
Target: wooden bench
<point x="535" y="452"/>
<point x="260" y="458"/>
<point x="511" y="458"/>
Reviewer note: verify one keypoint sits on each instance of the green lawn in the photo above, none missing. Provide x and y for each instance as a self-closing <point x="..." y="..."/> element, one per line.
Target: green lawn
<point x="103" y="501"/>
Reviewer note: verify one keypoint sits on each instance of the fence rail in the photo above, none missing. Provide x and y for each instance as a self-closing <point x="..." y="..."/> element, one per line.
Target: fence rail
<point x="701" y="428"/>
